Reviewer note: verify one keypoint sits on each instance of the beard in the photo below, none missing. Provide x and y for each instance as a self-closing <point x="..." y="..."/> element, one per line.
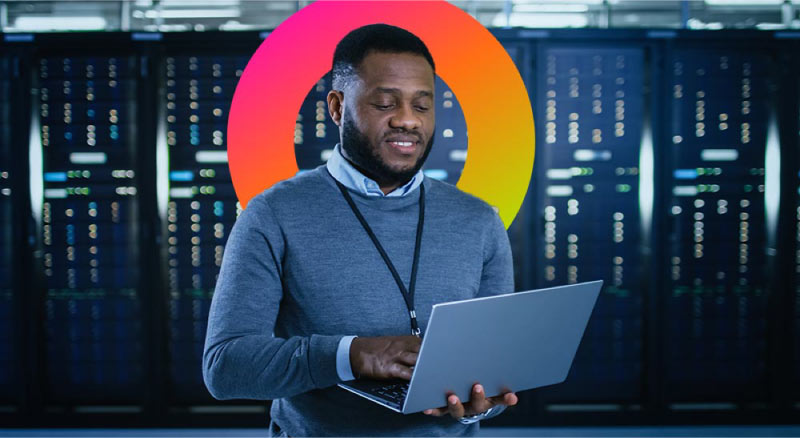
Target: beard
<point x="368" y="161"/>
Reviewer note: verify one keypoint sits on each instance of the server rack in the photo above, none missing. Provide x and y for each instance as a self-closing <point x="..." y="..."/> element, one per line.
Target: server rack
<point x="789" y="222"/>
<point x="94" y="297"/>
<point x="590" y="182"/>
<point x="9" y="352"/>
<point x="196" y="207"/>
<point x="716" y="310"/>
<point x="19" y="328"/>
<point x="201" y="206"/>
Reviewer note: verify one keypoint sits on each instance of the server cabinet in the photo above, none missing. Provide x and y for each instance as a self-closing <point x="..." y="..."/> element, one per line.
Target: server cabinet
<point x="201" y="205"/>
<point x="590" y="115"/>
<point x="715" y="320"/>
<point x="86" y="120"/>
<point x="9" y="331"/>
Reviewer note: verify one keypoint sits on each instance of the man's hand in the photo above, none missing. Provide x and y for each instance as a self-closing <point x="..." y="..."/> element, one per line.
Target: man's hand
<point x="384" y="357"/>
<point x="477" y="403"/>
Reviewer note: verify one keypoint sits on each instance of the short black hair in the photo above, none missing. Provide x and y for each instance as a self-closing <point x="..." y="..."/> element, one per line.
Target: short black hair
<point x="355" y="46"/>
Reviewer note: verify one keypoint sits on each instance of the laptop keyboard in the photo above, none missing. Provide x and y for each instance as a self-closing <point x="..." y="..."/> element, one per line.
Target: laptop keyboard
<point x="392" y="393"/>
<point x="395" y="392"/>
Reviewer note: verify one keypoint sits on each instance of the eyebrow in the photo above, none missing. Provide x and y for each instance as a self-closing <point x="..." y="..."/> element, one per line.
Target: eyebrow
<point x="423" y="93"/>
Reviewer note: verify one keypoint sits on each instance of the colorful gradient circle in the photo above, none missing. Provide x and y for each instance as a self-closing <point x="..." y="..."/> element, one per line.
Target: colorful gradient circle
<point x="469" y="58"/>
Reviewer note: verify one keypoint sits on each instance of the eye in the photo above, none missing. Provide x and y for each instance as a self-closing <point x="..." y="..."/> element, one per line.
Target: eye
<point x="422" y="108"/>
<point x="383" y="107"/>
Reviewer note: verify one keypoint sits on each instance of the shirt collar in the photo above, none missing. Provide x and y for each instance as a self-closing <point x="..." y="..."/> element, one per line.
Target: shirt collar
<point x="350" y="177"/>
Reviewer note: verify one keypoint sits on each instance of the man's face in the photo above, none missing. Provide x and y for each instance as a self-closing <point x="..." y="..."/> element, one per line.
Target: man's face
<point x="388" y="116"/>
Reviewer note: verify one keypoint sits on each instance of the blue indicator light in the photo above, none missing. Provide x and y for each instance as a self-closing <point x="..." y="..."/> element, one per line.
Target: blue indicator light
<point x="181" y="175"/>
<point x="55" y="176"/>
<point x="146" y="36"/>
<point x="685" y="174"/>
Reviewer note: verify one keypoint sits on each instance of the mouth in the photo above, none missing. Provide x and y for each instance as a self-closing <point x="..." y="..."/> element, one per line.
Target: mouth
<point x="404" y="145"/>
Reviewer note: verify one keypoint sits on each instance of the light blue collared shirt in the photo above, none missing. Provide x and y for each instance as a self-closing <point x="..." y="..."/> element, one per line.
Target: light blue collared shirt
<point x="350" y="177"/>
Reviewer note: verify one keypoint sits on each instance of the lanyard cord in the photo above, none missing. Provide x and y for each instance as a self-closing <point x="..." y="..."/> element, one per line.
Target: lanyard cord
<point x="408" y="294"/>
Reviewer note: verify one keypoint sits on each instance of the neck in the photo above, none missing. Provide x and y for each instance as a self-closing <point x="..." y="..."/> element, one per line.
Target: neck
<point x="388" y="189"/>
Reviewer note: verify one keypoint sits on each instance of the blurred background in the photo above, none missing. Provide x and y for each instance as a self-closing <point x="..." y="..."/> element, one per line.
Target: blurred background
<point x="667" y="164"/>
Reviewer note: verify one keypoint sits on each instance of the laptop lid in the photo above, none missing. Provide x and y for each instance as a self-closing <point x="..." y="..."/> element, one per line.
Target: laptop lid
<point x="514" y="342"/>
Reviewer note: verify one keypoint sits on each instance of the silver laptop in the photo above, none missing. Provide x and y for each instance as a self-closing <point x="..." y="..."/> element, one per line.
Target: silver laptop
<point x="510" y="342"/>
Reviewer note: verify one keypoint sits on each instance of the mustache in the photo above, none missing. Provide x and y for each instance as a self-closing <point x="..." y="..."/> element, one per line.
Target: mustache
<point x="404" y="132"/>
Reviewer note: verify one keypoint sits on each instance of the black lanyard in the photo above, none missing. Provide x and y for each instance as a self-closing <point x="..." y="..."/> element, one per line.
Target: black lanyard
<point x="408" y="294"/>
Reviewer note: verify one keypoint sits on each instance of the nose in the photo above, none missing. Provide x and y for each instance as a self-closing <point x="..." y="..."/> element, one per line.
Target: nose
<point x="405" y="118"/>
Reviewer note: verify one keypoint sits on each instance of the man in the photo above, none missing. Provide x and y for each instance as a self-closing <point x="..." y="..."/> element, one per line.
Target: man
<point x="356" y="247"/>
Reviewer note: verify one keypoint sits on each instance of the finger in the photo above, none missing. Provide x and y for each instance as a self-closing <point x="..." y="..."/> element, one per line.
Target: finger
<point x="478" y="401"/>
<point x="408" y="358"/>
<point x="510" y="399"/>
<point x="400" y="371"/>
<point x="454" y="406"/>
<point x="438" y="412"/>
<point x="507" y="399"/>
<point x="414" y="343"/>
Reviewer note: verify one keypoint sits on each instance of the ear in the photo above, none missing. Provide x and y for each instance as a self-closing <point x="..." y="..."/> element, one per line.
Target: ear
<point x="335" y="106"/>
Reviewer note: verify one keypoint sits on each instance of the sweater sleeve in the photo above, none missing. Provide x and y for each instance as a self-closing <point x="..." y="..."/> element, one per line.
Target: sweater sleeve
<point x="242" y="358"/>
<point x="498" y="269"/>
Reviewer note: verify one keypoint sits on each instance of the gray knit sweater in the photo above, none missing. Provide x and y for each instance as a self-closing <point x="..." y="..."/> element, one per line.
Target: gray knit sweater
<point x="299" y="264"/>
